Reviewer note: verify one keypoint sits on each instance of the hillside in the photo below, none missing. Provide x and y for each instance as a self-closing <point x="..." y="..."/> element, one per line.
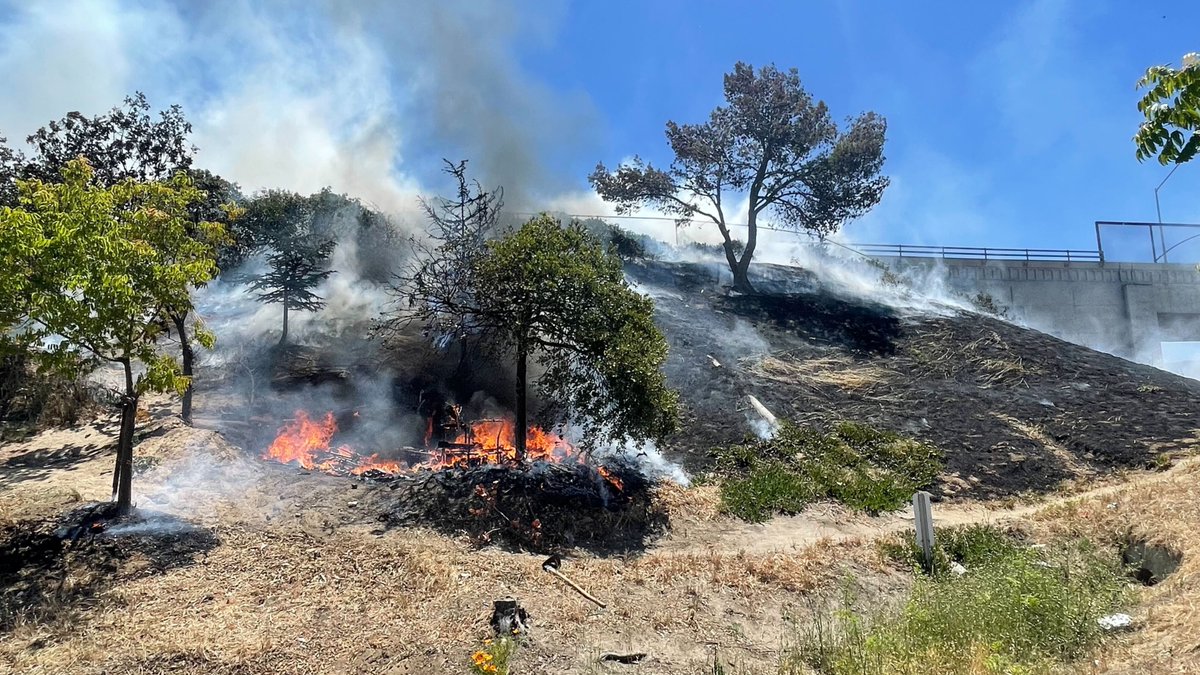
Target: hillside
<point x="1013" y="409"/>
<point x="238" y="565"/>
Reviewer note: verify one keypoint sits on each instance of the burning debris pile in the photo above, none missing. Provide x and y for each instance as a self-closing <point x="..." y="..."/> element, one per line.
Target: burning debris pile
<point x="540" y="506"/>
<point x="308" y="443"/>
<point x="470" y="478"/>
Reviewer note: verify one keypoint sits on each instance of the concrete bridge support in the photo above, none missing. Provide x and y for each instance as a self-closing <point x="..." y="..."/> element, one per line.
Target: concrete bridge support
<point x="1127" y="309"/>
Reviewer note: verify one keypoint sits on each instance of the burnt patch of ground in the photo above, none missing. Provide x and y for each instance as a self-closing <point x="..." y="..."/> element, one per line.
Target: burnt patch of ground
<point x="54" y="567"/>
<point x="541" y="507"/>
<point x="1014" y="410"/>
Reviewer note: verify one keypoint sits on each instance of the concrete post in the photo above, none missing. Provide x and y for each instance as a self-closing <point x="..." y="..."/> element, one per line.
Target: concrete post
<point x="923" y="520"/>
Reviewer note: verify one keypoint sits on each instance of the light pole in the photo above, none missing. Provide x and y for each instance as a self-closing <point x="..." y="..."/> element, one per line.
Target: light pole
<point x="1162" y="239"/>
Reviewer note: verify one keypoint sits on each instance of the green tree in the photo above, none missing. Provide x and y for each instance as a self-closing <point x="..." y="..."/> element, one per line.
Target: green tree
<point x="771" y="145"/>
<point x="10" y="167"/>
<point x="553" y="293"/>
<point x="296" y="265"/>
<point x="1171" y="105"/>
<point x="87" y="272"/>
<point x="126" y="143"/>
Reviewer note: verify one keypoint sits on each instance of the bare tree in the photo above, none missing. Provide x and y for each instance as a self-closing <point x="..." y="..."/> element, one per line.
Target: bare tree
<point x="772" y="145"/>
<point x="437" y="285"/>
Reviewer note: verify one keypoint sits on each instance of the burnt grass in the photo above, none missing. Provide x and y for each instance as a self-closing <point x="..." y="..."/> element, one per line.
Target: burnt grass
<point x="540" y="507"/>
<point x="55" y="567"/>
<point x="1013" y="410"/>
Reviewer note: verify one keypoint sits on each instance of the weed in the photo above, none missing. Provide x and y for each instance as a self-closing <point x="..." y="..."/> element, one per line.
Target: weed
<point x="1018" y="612"/>
<point x="1163" y="461"/>
<point x="495" y="656"/>
<point x="1148" y="388"/>
<point x="971" y="546"/>
<point x="857" y="465"/>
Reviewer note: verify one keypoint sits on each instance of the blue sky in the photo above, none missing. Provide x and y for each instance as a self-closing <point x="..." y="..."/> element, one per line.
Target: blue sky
<point x="1009" y="121"/>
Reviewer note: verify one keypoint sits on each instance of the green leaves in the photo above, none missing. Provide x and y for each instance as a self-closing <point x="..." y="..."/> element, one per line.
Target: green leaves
<point x="100" y="268"/>
<point x="557" y="290"/>
<point x="772" y="145"/>
<point x="1171" y="106"/>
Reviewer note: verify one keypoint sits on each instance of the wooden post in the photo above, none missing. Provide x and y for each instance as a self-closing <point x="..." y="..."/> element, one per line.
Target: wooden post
<point x="923" y="520"/>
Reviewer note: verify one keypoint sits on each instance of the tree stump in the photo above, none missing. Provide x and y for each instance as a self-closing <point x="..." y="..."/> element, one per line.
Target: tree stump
<point x="509" y="617"/>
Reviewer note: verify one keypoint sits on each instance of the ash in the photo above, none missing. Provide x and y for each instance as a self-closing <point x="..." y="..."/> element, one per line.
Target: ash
<point x="539" y="506"/>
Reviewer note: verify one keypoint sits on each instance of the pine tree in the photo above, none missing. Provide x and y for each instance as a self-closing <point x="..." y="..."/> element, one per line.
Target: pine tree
<point x="296" y="266"/>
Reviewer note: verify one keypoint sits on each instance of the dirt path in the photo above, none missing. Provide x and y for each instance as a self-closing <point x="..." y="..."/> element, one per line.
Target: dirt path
<point x="828" y="521"/>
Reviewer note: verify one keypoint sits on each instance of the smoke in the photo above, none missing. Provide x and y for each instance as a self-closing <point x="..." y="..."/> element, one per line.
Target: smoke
<point x="364" y="97"/>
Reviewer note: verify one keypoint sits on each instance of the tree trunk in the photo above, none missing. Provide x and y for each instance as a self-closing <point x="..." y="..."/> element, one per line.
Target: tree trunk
<point x="123" y="471"/>
<point x="741" y="271"/>
<point x="189" y="356"/>
<point x="522" y="423"/>
<point x="283" y="338"/>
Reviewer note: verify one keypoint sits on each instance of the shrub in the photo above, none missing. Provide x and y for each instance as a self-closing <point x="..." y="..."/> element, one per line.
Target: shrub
<point x="1016" y="613"/>
<point x="969" y="545"/>
<point x="861" y="467"/>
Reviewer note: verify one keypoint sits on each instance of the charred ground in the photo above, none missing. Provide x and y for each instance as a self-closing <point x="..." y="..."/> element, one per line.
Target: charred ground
<point x="1013" y="409"/>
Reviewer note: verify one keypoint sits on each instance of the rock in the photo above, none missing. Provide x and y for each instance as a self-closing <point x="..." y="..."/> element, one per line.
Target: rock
<point x="1116" y="621"/>
<point x="957" y="569"/>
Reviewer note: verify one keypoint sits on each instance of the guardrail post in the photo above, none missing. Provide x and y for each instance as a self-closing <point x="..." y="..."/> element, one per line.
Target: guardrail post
<point x="923" y="522"/>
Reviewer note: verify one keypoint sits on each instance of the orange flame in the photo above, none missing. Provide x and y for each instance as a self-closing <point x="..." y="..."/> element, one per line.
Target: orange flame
<point x="306" y="442"/>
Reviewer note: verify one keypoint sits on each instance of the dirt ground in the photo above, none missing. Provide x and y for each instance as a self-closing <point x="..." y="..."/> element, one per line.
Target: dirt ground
<point x="280" y="571"/>
<point x="247" y="567"/>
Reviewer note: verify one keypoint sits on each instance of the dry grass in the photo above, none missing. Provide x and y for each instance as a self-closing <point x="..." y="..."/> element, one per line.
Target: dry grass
<point x="291" y="589"/>
<point x="1163" y="510"/>
<point x="989" y="359"/>
<point x="832" y="371"/>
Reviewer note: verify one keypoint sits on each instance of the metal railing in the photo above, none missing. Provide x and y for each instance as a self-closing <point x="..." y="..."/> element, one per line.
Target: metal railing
<point x="978" y="253"/>
<point x="1159" y="248"/>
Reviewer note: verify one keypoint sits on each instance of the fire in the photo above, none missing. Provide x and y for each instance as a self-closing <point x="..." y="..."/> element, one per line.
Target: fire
<point x="308" y="443"/>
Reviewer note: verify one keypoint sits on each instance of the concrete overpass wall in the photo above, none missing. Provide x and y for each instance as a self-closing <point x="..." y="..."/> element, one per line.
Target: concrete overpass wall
<point x="1127" y="309"/>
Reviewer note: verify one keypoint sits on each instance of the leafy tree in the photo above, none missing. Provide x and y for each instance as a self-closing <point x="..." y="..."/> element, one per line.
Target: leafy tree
<point x="621" y="242"/>
<point x="87" y="271"/>
<point x="770" y="144"/>
<point x="1172" y="109"/>
<point x="10" y="166"/>
<point x="438" y="283"/>
<point x="555" y="294"/>
<point x="124" y="143"/>
<point x="296" y="265"/>
<point x="127" y="143"/>
<point x="270" y="216"/>
<point x="216" y="205"/>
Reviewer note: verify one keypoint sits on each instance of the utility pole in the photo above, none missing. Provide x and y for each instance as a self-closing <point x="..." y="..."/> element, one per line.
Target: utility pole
<point x="1161" y="238"/>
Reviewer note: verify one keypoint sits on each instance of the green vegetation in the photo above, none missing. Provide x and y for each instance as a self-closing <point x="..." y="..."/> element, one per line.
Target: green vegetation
<point x="854" y="464"/>
<point x="553" y="293"/>
<point x="496" y="656"/>
<point x="1171" y="105"/>
<point x="296" y="266"/>
<point x="969" y="545"/>
<point x="1017" y="612"/>
<point x="91" y="274"/>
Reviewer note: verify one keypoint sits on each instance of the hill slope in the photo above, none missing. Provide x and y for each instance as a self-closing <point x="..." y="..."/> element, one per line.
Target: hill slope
<point x="1013" y="409"/>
